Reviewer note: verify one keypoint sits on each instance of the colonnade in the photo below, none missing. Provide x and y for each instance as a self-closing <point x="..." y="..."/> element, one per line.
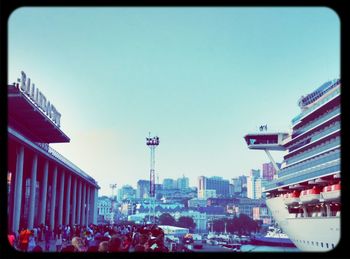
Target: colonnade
<point x="43" y="191"/>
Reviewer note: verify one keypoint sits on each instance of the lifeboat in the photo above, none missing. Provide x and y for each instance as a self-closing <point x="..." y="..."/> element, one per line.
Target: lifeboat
<point x="331" y="193"/>
<point x="310" y="196"/>
<point x="291" y="199"/>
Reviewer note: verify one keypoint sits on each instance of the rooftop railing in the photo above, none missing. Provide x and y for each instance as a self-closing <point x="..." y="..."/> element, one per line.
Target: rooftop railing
<point x="335" y="93"/>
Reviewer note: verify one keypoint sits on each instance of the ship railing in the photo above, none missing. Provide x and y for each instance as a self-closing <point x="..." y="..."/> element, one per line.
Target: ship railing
<point x="307" y="140"/>
<point x="315" y="122"/>
<point x="311" y="173"/>
<point x="333" y="127"/>
<point x="310" y="163"/>
<point x="314" y="150"/>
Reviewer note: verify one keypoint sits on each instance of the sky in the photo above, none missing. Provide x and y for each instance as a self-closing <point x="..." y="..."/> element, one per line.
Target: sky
<point x="199" y="78"/>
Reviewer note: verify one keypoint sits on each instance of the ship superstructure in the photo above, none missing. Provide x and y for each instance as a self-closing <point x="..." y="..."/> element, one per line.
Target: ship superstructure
<point x="304" y="197"/>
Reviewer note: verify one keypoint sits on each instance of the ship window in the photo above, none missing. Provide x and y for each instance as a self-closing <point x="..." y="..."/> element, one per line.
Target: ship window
<point x="332" y="245"/>
<point x="321" y="244"/>
<point x="327" y="245"/>
<point x="317" y="243"/>
<point x="312" y="242"/>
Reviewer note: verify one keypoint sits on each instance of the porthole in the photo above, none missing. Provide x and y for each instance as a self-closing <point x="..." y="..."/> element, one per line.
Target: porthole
<point x="321" y="244"/>
<point x="327" y="245"/>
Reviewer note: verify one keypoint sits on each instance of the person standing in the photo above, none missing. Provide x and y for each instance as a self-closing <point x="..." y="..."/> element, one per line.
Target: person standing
<point x="24" y="239"/>
<point x="59" y="243"/>
<point x="47" y="234"/>
<point x="12" y="238"/>
<point x="31" y="243"/>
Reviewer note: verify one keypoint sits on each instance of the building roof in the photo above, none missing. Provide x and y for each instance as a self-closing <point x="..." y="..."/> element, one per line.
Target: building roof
<point x="29" y="118"/>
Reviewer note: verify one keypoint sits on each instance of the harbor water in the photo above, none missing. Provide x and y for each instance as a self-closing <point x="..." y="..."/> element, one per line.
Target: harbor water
<point x="253" y="248"/>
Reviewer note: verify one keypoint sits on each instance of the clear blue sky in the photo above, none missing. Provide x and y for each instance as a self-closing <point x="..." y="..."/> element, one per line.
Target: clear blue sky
<point x="199" y="78"/>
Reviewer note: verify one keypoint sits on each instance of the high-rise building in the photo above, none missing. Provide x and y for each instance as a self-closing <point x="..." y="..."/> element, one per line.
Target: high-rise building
<point x="216" y="183"/>
<point x="143" y="187"/>
<point x="255" y="173"/>
<point x="268" y="171"/>
<point x="126" y="192"/>
<point x="169" y="183"/>
<point x="183" y="183"/>
<point x="254" y="185"/>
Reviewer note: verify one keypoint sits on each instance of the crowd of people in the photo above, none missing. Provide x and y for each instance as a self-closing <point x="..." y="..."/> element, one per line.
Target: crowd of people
<point x="92" y="238"/>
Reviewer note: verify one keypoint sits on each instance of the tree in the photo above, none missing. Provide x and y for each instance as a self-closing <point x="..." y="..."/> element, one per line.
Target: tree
<point x="186" y="222"/>
<point x="219" y="225"/>
<point x="247" y="224"/>
<point x="167" y="219"/>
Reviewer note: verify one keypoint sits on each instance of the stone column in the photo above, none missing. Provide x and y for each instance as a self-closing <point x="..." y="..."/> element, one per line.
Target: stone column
<point x="83" y="208"/>
<point x="53" y="198"/>
<point x="17" y="201"/>
<point x="44" y="192"/>
<point x="94" y="219"/>
<point x="79" y="204"/>
<point x="74" y="205"/>
<point x="66" y="222"/>
<point x="60" y="204"/>
<point x="32" y="192"/>
<point x="88" y="205"/>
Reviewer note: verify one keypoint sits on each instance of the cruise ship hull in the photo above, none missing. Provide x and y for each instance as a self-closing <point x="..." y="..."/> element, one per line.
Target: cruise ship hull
<point x="314" y="234"/>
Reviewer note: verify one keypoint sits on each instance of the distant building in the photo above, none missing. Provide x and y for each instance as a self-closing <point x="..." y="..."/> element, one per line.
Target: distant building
<point x="183" y="183"/>
<point x="169" y="183"/>
<point x="255" y="185"/>
<point x="262" y="213"/>
<point x="205" y="194"/>
<point x="199" y="218"/>
<point x="246" y="205"/>
<point x="104" y="209"/>
<point x="254" y="173"/>
<point x="268" y="171"/>
<point x="128" y="208"/>
<point x="216" y="183"/>
<point x="143" y="187"/>
<point x="126" y="193"/>
<point x="195" y="203"/>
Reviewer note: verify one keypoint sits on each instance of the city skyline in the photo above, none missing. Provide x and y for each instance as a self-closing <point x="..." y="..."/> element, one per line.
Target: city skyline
<point x="198" y="78"/>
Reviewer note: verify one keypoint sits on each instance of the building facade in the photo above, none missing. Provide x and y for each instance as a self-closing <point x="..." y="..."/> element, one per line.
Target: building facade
<point x="44" y="187"/>
<point x="126" y="193"/>
<point x="268" y="171"/>
<point x="143" y="187"/>
<point x="216" y="183"/>
<point x="183" y="183"/>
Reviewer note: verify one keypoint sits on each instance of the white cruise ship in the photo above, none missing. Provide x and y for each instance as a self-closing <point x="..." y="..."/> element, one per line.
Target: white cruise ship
<point x="304" y="197"/>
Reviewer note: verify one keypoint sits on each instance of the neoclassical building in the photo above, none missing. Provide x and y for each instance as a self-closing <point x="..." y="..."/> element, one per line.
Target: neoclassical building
<point x="43" y="186"/>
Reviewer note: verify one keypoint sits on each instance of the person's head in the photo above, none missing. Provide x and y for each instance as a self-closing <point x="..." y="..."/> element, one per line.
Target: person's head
<point x="37" y="248"/>
<point x="78" y="243"/>
<point x="114" y="244"/>
<point x="103" y="246"/>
